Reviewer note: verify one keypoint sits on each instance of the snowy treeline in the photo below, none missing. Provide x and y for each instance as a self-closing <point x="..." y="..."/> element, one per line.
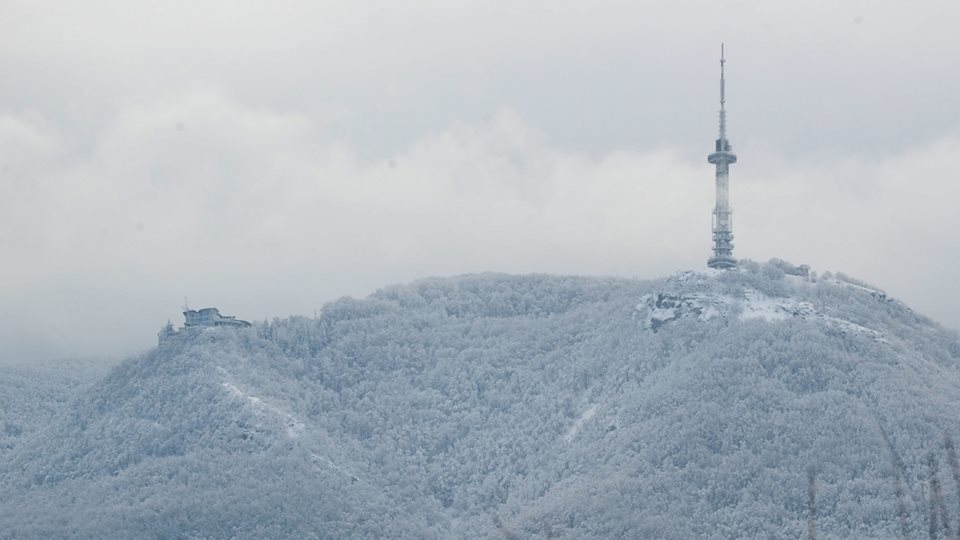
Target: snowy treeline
<point x="493" y="406"/>
<point x="31" y="395"/>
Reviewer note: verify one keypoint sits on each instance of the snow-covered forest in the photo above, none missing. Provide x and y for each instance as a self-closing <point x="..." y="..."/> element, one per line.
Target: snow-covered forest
<point x="752" y="404"/>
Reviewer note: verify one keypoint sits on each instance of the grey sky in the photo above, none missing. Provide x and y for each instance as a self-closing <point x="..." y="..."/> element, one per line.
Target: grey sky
<point x="268" y="157"/>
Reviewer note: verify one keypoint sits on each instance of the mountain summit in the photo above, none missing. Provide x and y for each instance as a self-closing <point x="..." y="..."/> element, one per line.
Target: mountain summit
<point x="758" y="403"/>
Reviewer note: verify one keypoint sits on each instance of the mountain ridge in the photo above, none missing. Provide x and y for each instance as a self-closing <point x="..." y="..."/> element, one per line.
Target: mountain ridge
<point x="542" y="406"/>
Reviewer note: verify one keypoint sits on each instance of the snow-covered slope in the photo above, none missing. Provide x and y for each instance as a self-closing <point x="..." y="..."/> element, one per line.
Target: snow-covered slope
<point x="703" y="296"/>
<point x="31" y="395"/>
<point x="492" y="406"/>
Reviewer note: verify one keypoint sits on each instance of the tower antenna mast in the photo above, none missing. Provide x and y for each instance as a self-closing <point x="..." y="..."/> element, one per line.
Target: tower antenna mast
<point x="722" y="157"/>
<point x="723" y="97"/>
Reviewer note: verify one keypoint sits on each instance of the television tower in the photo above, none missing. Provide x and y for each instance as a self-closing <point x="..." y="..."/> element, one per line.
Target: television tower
<point x="722" y="215"/>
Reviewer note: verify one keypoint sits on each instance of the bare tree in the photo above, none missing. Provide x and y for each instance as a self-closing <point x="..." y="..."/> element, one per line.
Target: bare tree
<point x="507" y="533"/>
<point x="812" y="503"/>
<point x="938" y="510"/>
<point x="897" y="465"/>
<point x="954" y="465"/>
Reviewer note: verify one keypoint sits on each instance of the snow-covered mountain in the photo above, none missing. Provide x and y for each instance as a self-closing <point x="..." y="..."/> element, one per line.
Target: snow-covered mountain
<point x="703" y="405"/>
<point x="31" y="395"/>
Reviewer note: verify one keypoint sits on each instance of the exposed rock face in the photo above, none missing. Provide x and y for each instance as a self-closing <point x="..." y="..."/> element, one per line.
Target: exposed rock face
<point x="703" y="296"/>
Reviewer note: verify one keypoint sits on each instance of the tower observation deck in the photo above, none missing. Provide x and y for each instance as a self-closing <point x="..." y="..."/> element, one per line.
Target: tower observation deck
<point x="722" y="157"/>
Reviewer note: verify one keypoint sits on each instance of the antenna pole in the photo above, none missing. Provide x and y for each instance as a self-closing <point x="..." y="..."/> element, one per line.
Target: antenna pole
<point x="723" y="100"/>
<point x="722" y="157"/>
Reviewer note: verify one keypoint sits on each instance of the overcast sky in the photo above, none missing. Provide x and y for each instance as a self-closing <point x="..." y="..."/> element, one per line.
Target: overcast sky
<point x="269" y="157"/>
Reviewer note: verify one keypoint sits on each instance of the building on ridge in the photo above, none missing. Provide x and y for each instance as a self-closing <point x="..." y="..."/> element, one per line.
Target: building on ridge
<point x="200" y="318"/>
<point x="210" y="317"/>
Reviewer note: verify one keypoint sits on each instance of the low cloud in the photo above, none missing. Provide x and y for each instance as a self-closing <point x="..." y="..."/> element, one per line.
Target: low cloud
<point x="196" y="194"/>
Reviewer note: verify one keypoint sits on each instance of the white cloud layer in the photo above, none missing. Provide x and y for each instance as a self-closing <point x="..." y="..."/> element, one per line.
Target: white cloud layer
<point x="198" y="195"/>
<point x="268" y="157"/>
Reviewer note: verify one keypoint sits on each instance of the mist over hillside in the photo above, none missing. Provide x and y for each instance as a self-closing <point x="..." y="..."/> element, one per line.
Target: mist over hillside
<point x="704" y="405"/>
